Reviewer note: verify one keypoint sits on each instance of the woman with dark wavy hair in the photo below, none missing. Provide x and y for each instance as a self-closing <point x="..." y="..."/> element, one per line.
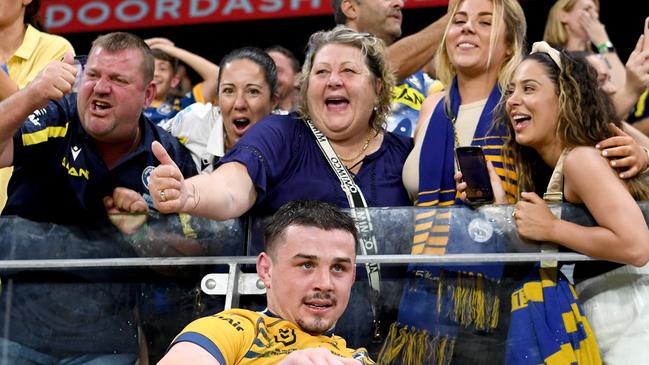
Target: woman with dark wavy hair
<point x="557" y="113"/>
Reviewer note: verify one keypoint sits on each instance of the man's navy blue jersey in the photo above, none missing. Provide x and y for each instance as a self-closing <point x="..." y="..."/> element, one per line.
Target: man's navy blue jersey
<point x="60" y="177"/>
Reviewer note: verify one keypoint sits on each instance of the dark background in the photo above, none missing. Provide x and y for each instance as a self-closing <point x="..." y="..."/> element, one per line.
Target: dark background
<point x="623" y="19"/>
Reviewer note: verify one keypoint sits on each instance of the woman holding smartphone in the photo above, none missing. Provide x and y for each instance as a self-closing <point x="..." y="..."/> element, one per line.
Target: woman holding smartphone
<point x="557" y="113"/>
<point x="482" y="45"/>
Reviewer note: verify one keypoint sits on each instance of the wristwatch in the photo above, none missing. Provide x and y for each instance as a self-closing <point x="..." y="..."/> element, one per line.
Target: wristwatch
<point x="605" y="47"/>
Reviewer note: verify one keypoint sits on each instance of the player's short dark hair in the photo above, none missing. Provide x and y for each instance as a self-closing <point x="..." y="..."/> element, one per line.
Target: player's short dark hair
<point x="308" y="213"/>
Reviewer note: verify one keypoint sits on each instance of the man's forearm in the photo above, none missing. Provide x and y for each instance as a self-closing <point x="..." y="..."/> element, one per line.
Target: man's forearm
<point x="624" y="100"/>
<point x="7" y="86"/>
<point x="618" y="72"/>
<point x="14" y="110"/>
<point x="409" y="54"/>
<point x="207" y="70"/>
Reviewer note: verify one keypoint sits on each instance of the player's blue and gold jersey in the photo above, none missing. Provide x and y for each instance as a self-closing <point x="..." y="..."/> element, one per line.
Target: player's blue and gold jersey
<point x="243" y="337"/>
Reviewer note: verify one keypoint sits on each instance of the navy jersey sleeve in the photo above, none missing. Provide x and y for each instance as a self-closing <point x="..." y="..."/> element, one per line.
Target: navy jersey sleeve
<point x="266" y="150"/>
<point x="44" y="125"/>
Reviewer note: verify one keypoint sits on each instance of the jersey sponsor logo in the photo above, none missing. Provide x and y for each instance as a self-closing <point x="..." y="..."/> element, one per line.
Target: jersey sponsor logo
<point x="146" y="174"/>
<point x="232" y="322"/>
<point x="407" y="95"/>
<point x="35" y="117"/>
<point x="286" y="336"/>
<point x="75" y="152"/>
<point x="75" y="171"/>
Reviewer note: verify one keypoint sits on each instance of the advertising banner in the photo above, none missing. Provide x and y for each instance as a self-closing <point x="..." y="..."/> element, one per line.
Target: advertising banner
<point x="66" y="16"/>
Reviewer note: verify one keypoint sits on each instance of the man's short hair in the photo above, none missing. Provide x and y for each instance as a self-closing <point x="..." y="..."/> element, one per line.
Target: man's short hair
<point x="121" y="41"/>
<point x="295" y="63"/>
<point x="339" y="15"/>
<point x="161" y="55"/>
<point x="307" y="213"/>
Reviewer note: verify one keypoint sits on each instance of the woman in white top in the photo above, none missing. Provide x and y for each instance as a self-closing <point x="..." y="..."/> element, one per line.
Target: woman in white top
<point x="247" y="92"/>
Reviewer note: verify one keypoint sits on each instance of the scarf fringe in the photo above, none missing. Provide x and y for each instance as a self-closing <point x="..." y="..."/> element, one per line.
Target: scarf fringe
<point x="410" y="346"/>
<point x="474" y="300"/>
<point x="467" y="299"/>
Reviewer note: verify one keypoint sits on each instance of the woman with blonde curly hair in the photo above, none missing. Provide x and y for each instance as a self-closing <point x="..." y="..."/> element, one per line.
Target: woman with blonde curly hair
<point x="339" y="134"/>
<point x="345" y="95"/>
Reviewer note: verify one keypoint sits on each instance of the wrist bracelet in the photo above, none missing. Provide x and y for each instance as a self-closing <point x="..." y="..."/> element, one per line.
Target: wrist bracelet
<point x="139" y="235"/>
<point x="605" y="47"/>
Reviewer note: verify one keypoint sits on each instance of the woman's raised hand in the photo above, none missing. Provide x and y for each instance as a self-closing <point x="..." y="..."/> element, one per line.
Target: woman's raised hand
<point x="166" y="183"/>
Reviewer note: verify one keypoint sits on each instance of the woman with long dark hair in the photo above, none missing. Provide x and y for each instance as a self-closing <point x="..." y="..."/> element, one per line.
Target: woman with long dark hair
<point x="557" y="113"/>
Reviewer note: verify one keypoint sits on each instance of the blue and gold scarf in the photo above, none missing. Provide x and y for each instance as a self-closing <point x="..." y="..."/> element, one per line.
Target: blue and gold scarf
<point x="548" y="324"/>
<point x="438" y="300"/>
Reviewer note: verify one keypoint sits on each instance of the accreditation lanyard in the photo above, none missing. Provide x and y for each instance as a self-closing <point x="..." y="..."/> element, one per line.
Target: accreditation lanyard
<point x="361" y="216"/>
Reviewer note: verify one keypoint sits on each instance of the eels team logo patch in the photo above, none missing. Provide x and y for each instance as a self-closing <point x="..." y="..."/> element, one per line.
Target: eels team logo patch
<point x="164" y="109"/>
<point x="480" y="230"/>
<point x="146" y="173"/>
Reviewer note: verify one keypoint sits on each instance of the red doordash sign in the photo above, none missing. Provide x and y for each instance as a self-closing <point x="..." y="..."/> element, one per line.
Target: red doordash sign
<point x="64" y="16"/>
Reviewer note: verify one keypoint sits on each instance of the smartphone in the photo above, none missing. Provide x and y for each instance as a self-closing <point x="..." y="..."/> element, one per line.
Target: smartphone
<point x="645" y="45"/>
<point x="473" y="166"/>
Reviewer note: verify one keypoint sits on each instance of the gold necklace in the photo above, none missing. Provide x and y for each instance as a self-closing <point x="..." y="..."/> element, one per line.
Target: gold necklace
<point x="367" y="144"/>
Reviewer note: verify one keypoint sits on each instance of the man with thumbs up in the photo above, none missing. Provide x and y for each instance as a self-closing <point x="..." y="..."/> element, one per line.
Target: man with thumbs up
<point x="69" y="152"/>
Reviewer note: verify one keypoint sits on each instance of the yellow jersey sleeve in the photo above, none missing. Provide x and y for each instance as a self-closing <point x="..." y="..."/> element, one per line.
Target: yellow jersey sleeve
<point x="226" y="335"/>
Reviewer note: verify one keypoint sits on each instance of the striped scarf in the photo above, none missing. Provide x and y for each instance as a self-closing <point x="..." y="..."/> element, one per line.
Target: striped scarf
<point x="440" y="300"/>
<point x="548" y="325"/>
<point x="547" y="321"/>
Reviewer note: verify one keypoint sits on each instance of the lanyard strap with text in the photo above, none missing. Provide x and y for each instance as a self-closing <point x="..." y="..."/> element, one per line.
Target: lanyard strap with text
<point x="361" y="216"/>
